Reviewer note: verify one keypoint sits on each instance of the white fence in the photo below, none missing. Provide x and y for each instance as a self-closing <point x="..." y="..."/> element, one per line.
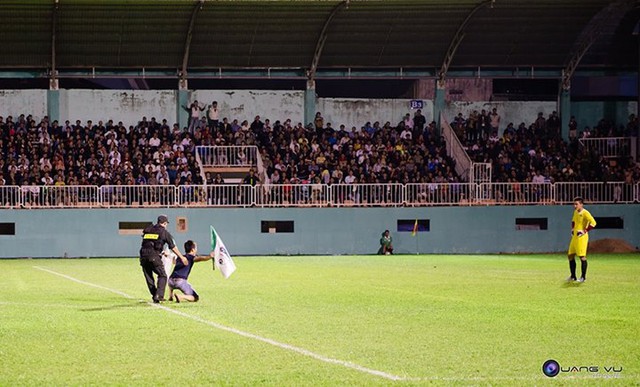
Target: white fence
<point x="609" y="146"/>
<point x="228" y="156"/>
<point x="610" y="192"/>
<point x="517" y="193"/>
<point x="315" y="195"/>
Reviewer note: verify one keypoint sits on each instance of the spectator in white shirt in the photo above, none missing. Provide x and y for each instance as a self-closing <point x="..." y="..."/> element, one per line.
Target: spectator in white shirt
<point x="154" y="142"/>
<point x="350" y="178"/>
<point x="406" y="134"/>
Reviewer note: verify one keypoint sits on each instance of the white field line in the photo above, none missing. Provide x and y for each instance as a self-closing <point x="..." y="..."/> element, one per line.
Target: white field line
<point x="288" y="347"/>
<point x="306" y="352"/>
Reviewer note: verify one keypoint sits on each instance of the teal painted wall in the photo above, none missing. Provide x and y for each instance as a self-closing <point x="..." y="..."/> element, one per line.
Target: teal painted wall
<point x="588" y="113"/>
<point x="95" y="232"/>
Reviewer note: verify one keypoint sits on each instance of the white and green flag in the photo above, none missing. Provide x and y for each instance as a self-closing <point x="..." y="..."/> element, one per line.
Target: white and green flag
<point x="222" y="259"/>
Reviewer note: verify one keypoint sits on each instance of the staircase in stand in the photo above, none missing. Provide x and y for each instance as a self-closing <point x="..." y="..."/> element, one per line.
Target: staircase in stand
<point x="233" y="163"/>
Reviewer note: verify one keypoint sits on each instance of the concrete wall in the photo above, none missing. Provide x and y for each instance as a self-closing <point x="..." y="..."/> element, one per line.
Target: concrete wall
<point x="588" y="113"/>
<point x="95" y="232"/>
<point x="356" y="112"/>
<point x="129" y="106"/>
<point x="246" y="104"/>
<point x="510" y="111"/>
<point x="16" y="102"/>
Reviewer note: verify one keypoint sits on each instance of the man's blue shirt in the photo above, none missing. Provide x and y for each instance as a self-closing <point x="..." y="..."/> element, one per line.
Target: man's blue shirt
<point x="182" y="271"/>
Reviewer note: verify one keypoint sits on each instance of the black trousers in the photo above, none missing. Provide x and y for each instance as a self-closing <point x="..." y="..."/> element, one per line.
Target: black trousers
<point x="150" y="265"/>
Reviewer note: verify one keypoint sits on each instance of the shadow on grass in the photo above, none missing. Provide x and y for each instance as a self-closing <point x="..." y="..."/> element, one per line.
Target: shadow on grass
<point x="132" y="304"/>
<point x="571" y="284"/>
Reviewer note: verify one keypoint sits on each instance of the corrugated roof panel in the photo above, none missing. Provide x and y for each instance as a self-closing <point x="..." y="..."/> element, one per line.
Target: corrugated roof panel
<point x="122" y="36"/>
<point x="152" y="33"/>
<point x="25" y="33"/>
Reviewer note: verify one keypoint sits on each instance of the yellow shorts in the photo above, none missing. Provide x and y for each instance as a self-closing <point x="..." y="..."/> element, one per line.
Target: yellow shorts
<point x="578" y="245"/>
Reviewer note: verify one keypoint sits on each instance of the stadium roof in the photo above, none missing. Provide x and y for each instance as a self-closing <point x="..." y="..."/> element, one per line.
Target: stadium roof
<point x="199" y="35"/>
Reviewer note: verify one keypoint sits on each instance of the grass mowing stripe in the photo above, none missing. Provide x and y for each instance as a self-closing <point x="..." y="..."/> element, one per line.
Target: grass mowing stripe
<point x="460" y="320"/>
<point x="125" y="295"/>
<point x="31" y="305"/>
<point x="288" y="347"/>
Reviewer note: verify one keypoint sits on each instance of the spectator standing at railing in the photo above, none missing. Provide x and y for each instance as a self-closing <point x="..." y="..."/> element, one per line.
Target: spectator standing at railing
<point x="540" y="123"/>
<point x="46" y="179"/>
<point x="494" y="119"/>
<point x="484" y="125"/>
<point x="472" y="126"/>
<point x="194" y="115"/>
<point x="573" y="128"/>
<point x="419" y="121"/>
<point x="218" y="180"/>
<point x="631" y="129"/>
<point x="141" y="179"/>
<point x="251" y="178"/>
<point x="213" y="115"/>
<point x="318" y="122"/>
<point x="553" y="124"/>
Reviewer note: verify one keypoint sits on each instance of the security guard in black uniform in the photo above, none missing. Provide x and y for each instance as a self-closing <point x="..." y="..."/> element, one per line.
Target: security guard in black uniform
<point x="153" y="239"/>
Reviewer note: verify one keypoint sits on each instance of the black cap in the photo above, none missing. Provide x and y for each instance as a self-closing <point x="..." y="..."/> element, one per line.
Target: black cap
<point x="163" y="219"/>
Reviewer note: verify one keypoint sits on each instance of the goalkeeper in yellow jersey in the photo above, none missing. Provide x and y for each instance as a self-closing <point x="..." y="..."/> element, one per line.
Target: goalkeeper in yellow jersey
<point x="581" y="223"/>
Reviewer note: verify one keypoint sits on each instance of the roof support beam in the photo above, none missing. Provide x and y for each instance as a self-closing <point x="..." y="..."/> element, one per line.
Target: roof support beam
<point x="610" y="15"/>
<point x="53" y="77"/>
<point x="323" y="37"/>
<point x="457" y="39"/>
<point x="187" y="45"/>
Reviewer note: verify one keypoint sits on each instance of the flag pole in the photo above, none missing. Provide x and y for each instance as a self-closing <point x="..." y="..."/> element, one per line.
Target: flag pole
<point x="414" y="233"/>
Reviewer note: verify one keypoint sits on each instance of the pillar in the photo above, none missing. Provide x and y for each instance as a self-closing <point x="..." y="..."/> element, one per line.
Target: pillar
<point x="310" y="102"/>
<point x="53" y="105"/>
<point x="565" y="112"/>
<point x="438" y="103"/>
<point x="182" y="115"/>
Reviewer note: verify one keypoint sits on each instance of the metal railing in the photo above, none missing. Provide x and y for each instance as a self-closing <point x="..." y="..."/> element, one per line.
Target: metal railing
<point x="316" y="195"/>
<point x="442" y="194"/>
<point x="71" y="196"/>
<point x="228" y="156"/>
<point x="139" y="195"/>
<point x="366" y="195"/>
<point x="9" y="196"/>
<point x="230" y="195"/>
<point x="608" y="146"/>
<point x="516" y="193"/>
<point x="294" y="195"/>
<point x="601" y="192"/>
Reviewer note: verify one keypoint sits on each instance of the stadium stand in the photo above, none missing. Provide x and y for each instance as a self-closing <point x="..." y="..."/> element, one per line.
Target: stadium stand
<point x="151" y="163"/>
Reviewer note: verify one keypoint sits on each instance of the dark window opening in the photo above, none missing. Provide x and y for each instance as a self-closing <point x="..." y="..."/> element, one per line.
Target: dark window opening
<point x="132" y="228"/>
<point x="610" y="222"/>
<point x="408" y="225"/>
<point x="276" y="226"/>
<point x="531" y="224"/>
<point x="7" y="229"/>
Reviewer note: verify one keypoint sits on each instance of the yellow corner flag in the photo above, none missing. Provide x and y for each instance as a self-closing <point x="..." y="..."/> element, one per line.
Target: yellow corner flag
<point x="222" y="258"/>
<point x="415" y="228"/>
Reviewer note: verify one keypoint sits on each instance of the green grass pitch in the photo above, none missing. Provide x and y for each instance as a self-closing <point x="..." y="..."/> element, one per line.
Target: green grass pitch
<point x="324" y="321"/>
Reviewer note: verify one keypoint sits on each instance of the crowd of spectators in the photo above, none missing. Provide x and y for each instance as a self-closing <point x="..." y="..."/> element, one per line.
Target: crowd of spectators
<point x="409" y="151"/>
<point x="102" y="153"/>
<point x="154" y="153"/>
<point x="538" y="153"/>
